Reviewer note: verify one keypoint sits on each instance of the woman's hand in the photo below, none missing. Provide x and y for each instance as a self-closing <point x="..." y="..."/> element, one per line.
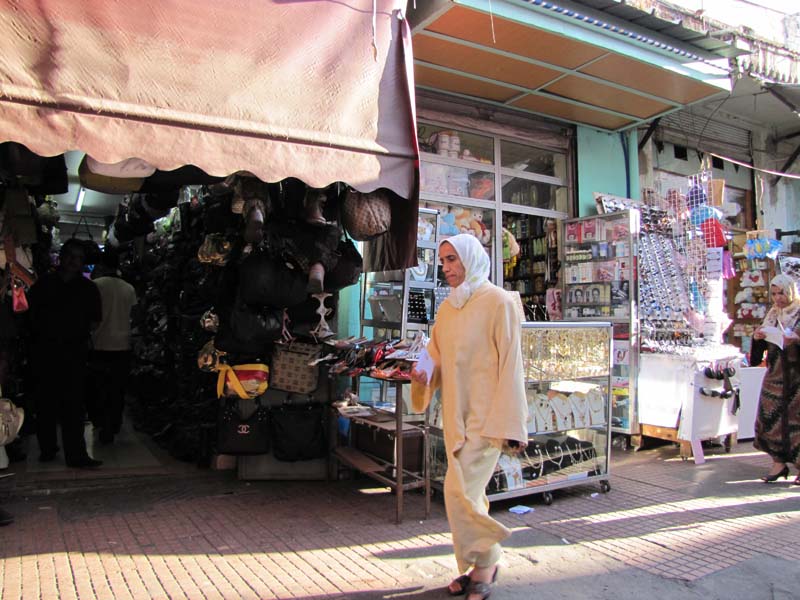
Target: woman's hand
<point x="790" y="338"/>
<point x="758" y="334"/>
<point x="515" y="446"/>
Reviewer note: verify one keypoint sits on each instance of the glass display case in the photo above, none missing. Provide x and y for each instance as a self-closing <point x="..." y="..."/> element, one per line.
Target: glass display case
<point x="402" y="303"/>
<point x="600" y="281"/>
<point x="567" y="380"/>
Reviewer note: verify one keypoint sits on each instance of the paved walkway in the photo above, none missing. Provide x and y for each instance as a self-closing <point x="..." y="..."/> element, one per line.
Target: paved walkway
<point x="667" y="527"/>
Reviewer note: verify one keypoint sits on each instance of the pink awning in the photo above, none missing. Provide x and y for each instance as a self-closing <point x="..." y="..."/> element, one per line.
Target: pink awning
<point x="277" y="88"/>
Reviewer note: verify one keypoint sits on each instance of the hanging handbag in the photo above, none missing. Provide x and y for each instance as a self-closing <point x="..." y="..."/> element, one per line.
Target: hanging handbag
<point x="239" y="435"/>
<point x="215" y="250"/>
<point x="297" y="432"/>
<point x="290" y="369"/>
<point x="366" y="216"/>
<point x="348" y="269"/>
<point x="11" y="419"/>
<point x="242" y="381"/>
<point x="266" y="280"/>
<point x="19" y="301"/>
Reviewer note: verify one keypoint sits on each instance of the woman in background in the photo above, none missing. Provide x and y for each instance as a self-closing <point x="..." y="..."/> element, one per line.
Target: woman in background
<point x="778" y="417"/>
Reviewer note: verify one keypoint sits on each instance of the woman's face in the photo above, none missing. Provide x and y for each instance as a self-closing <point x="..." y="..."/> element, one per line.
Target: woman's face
<point x="452" y="267"/>
<point x="779" y="297"/>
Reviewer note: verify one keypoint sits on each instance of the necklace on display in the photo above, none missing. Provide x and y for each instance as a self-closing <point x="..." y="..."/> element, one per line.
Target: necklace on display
<point x="544" y="415"/>
<point x="562" y="410"/>
<point x="596" y="405"/>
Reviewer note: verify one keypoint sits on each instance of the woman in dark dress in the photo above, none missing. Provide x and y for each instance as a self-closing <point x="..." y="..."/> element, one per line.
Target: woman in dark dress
<point x="778" y="418"/>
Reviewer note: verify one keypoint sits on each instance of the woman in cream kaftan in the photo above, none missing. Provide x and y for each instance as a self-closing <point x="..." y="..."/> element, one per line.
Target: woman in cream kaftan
<point x="475" y="347"/>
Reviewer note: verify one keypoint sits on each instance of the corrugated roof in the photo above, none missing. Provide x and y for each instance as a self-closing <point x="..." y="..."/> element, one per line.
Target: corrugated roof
<point x="672" y="22"/>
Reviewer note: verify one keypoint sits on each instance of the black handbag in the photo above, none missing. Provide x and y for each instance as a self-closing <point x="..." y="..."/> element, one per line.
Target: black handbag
<point x="265" y="280"/>
<point x="297" y="432"/>
<point x="239" y="435"/>
<point x="348" y="269"/>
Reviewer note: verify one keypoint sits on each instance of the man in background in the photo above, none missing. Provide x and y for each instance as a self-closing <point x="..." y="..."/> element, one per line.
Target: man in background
<point x="64" y="308"/>
<point x="110" y="358"/>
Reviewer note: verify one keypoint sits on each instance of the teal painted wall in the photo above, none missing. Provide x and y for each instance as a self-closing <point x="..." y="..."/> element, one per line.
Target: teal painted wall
<point x="601" y="166"/>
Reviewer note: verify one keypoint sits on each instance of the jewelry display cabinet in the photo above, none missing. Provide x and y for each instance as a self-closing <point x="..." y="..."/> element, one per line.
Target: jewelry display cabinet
<point x="567" y="382"/>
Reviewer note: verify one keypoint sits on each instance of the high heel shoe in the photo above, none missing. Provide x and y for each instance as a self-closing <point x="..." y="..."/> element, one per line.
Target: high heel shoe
<point x="797" y="481"/>
<point x="784" y="472"/>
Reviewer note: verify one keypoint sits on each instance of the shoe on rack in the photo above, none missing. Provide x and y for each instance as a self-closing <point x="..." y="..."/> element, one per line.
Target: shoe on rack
<point x="6" y="518"/>
<point x="784" y="472"/>
<point x="85" y="463"/>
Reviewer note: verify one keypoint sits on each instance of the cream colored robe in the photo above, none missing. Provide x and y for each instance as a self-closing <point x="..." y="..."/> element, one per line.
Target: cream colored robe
<point x="478" y="359"/>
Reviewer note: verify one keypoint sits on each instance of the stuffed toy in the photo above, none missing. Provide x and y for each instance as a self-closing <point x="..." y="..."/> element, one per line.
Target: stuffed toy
<point x="745" y="295"/>
<point x="447" y="225"/>
<point x="463" y="217"/>
<point x="479" y="229"/>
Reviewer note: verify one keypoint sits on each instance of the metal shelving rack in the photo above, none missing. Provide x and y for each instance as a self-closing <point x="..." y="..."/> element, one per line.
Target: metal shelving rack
<point x="606" y="261"/>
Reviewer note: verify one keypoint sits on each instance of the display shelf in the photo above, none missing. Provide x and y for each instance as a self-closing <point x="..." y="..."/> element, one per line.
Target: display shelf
<point x="599" y="258"/>
<point x="748" y="298"/>
<point x="385" y="424"/>
<point x="565" y="364"/>
<point x="403" y="302"/>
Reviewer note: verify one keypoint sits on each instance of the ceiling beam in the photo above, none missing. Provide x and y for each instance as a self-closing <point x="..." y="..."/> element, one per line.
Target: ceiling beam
<point x="526" y="91"/>
<point x="552" y="67"/>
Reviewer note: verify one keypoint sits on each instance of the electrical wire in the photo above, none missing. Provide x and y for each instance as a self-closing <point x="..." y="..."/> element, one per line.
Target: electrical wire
<point x="744" y="164"/>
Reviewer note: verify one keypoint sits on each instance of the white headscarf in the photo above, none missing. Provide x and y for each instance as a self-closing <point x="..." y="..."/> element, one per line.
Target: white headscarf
<point x="787" y="316"/>
<point x="476" y="263"/>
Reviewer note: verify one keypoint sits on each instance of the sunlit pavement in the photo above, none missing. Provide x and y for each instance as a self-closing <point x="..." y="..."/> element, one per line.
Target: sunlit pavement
<point x="667" y="529"/>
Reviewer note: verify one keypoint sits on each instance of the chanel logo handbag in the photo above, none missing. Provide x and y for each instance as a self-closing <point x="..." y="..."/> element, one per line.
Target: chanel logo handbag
<point x="290" y="370"/>
<point x="239" y="435"/>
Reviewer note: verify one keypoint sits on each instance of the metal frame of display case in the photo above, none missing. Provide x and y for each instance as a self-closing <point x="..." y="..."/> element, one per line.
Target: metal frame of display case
<point x="399" y="284"/>
<point x="561" y="478"/>
<point x="599" y="251"/>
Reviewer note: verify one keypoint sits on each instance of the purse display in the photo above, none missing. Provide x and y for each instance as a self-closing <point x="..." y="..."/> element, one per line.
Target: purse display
<point x="366" y="216"/>
<point x="239" y="435"/>
<point x="215" y="250"/>
<point x="297" y="432"/>
<point x="290" y="369"/>
<point x="11" y="419"/>
<point x="242" y="381"/>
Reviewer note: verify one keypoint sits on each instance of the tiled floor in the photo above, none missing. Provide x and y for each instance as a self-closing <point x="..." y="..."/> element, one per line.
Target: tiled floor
<point x="203" y="534"/>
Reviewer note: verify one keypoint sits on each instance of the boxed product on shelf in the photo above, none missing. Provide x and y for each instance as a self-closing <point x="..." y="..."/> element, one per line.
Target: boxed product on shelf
<point x="589" y="231"/>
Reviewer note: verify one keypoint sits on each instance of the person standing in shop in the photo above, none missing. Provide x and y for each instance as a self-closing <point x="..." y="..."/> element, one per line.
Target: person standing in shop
<point x="778" y="416"/>
<point x="64" y="308"/>
<point x="110" y="358"/>
<point x="477" y="364"/>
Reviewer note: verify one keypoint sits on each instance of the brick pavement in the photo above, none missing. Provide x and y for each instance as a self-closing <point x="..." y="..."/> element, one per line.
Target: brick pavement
<point x="208" y="536"/>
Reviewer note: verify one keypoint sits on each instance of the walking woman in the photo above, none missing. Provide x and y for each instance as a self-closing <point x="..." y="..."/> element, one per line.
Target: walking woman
<point x="477" y="356"/>
<point x="778" y="418"/>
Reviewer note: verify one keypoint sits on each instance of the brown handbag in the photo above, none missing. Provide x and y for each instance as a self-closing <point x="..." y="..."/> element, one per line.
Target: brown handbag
<point x="290" y="370"/>
<point x="366" y="216"/>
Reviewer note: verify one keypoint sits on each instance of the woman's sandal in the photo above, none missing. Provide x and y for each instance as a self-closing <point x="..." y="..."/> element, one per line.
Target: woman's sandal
<point x="463" y="584"/>
<point x="481" y="588"/>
